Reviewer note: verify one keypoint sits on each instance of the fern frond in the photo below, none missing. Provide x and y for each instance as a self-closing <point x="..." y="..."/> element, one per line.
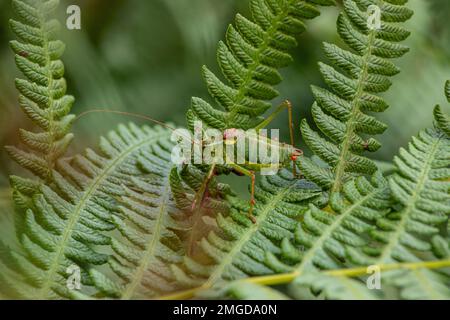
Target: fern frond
<point x="249" y="60"/>
<point x="238" y="249"/>
<point x="68" y="219"/>
<point x="151" y="230"/>
<point x="421" y="187"/>
<point x="322" y="237"/>
<point x="43" y="93"/>
<point x="354" y="77"/>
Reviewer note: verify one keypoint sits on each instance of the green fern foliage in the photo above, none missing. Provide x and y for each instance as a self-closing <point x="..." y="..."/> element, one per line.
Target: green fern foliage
<point x="70" y="218"/>
<point x="187" y="180"/>
<point x="322" y="238"/>
<point x="442" y="120"/>
<point x="421" y="283"/>
<point x="410" y="234"/>
<point x="249" y="60"/>
<point x="309" y="286"/>
<point x="239" y="248"/>
<point x="354" y="77"/>
<point x="130" y="221"/>
<point x="185" y="183"/>
<point x="43" y="91"/>
<point x="330" y="288"/>
<point x="150" y="229"/>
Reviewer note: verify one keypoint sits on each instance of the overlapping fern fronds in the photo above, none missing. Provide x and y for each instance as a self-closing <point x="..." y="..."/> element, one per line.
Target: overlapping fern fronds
<point x="340" y="284"/>
<point x="70" y="219"/>
<point x="65" y="216"/>
<point x="322" y="238"/>
<point x="240" y="248"/>
<point x="184" y="184"/>
<point x="122" y="217"/>
<point x="332" y="288"/>
<point x="354" y="77"/>
<point x="249" y="60"/>
<point x="402" y="222"/>
<point x="421" y="186"/>
<point x="155" y="231"/>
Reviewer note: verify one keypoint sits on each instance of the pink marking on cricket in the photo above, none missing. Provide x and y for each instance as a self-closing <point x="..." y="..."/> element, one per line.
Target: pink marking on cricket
<point x="230" y="133"/>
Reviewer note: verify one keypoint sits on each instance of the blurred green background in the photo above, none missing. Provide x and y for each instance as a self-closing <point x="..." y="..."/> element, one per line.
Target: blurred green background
<point x="144" y="56"/>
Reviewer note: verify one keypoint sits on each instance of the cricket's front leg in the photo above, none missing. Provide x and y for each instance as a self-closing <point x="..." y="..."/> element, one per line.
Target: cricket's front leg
<point x="251" y="174"/>
<point x="200" y="194"/>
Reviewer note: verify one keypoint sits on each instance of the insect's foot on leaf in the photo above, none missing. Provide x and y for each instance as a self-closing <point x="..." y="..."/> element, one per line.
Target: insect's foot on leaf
<point x="252" y="218"/>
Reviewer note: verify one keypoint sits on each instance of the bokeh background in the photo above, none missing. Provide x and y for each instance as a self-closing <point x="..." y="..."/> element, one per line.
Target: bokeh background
<point x="144" y="56"/>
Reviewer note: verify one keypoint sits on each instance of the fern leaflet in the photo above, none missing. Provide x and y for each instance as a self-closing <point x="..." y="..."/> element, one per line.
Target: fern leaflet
<point x="238" y="249"/>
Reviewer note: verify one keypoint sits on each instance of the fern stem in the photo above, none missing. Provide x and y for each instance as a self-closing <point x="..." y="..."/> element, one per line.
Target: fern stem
<point x="350" y="272"/>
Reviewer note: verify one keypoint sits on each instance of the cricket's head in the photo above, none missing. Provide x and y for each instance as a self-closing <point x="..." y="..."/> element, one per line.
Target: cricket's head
<point x="296" y="153"/>
<point x="288" y="154"/>
<point x="231" y="135"/>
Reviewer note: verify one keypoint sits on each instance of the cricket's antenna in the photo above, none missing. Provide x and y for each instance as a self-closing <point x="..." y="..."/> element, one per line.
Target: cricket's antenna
<point x="124" y="113"/>
<point x="135" y="115"/>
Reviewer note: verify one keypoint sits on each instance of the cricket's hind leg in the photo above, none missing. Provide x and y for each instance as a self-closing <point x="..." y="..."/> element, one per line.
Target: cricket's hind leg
<point x="243" y="171"/>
